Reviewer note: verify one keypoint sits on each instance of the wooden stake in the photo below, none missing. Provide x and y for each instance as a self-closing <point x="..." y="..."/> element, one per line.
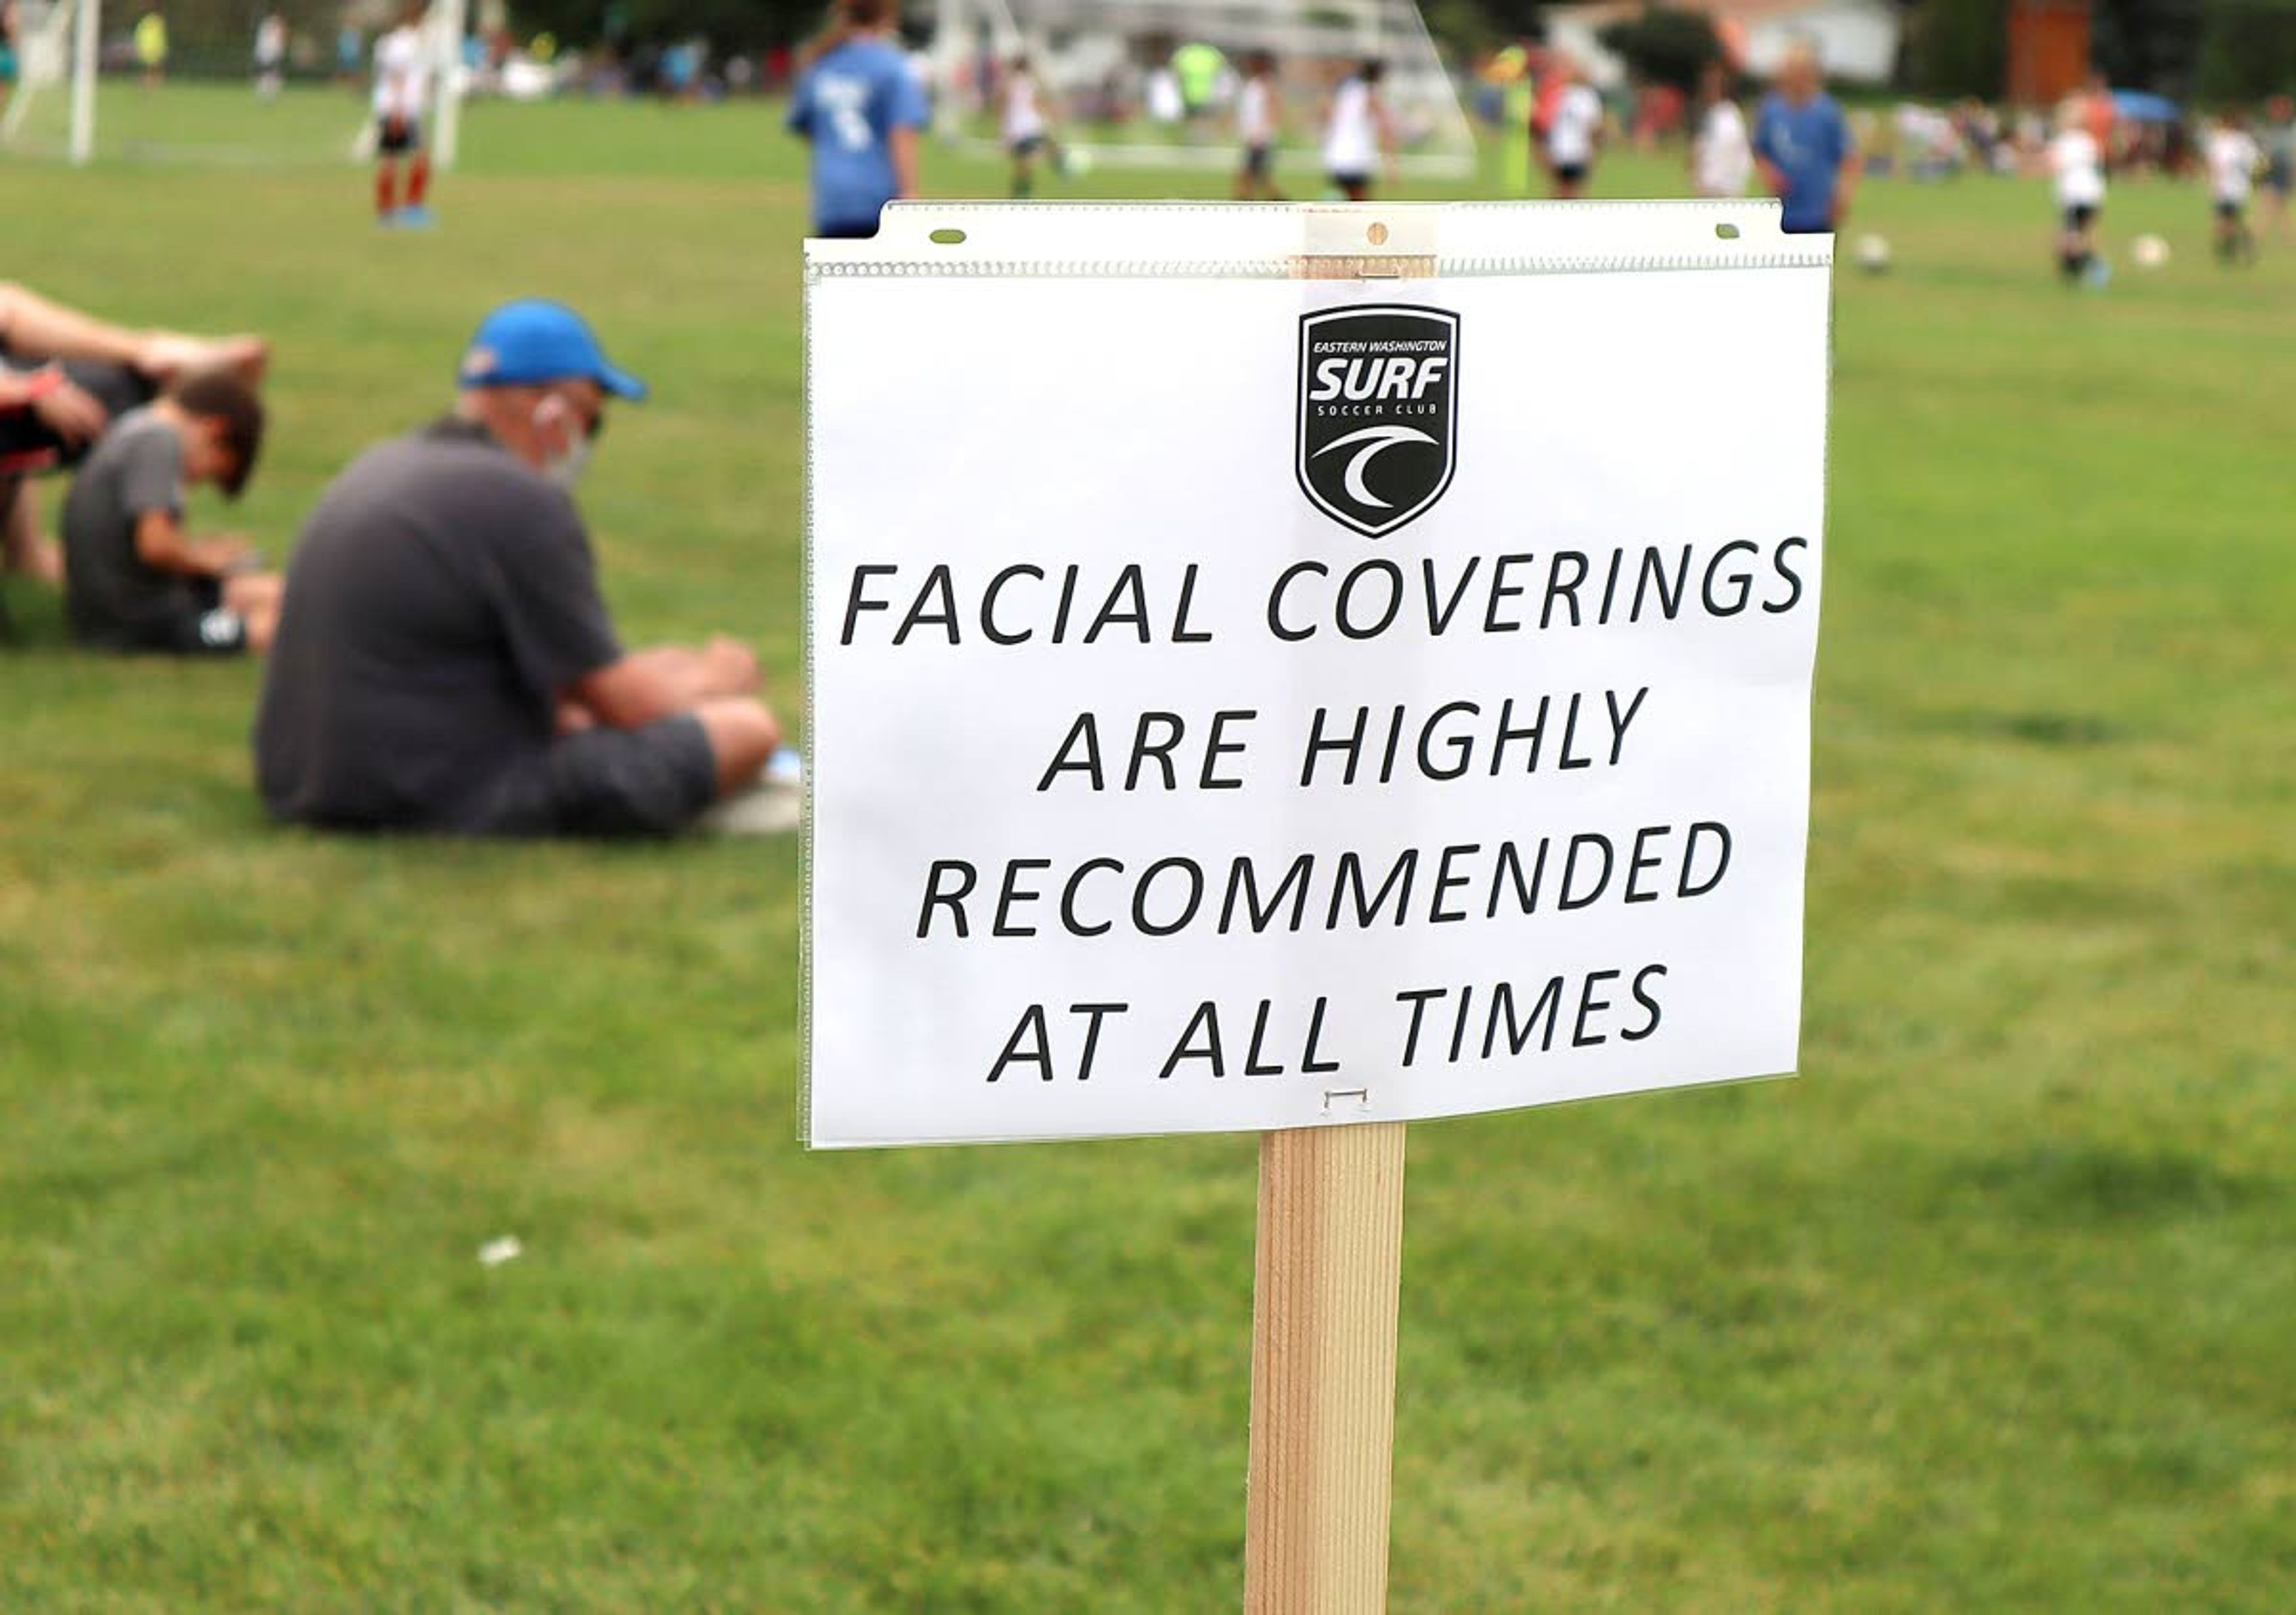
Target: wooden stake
<point x="1328" y="1276"/>
<point x="1330" y="1265"/>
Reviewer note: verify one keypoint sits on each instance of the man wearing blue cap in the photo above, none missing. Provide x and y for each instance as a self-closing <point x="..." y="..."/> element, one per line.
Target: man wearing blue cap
<point x="444" y="660"/>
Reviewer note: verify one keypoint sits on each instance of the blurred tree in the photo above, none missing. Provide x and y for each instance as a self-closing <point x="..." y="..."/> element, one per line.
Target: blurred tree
<point x="1662" y="47"/>
<point x="2247" y="50"/>
<point x="1958" y="47"/>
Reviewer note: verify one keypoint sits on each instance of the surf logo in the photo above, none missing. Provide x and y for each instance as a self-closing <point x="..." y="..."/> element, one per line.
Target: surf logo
<point x="1379" y="410"/>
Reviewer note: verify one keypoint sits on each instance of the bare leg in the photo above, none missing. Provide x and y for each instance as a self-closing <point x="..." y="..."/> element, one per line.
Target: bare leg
<point x="254" y="597"/>
<point x="39" y="328"/>
<point x="23" y="548"/>
<point x="743" y="736"/>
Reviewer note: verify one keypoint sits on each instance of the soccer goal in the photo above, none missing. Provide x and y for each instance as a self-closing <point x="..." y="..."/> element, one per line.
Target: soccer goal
<point x="1117" y="67"/>
<point x="229" y="83"/>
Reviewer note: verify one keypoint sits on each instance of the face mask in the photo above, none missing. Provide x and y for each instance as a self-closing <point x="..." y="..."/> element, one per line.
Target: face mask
<point x="565" y="468"/>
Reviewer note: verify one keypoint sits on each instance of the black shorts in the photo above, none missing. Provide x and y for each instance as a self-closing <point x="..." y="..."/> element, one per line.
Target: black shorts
<point x="28" y="443"/>
<point x="203" y="626"/>
<point x="1570" y="172"/>
<point x="2228" y="209"/>
<point x="851" y="231"/>
<point x="1257" y="160"/>
<point x="1028" y="146"/>
<point x="1356" y="186"/>
<point x="650" y="782"/>
<point x="396" y="136"/>
<point x="2080" y="216"/>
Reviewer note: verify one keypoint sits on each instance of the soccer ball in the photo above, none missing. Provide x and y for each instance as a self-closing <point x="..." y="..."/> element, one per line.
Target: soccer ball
<point x="2149" y="252"/>
<point x="1873" y="254"/>
<point x="1076" y="162"/>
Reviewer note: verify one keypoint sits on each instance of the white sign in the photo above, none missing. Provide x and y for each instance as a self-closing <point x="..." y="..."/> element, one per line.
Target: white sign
<point x="1243" y="701"/>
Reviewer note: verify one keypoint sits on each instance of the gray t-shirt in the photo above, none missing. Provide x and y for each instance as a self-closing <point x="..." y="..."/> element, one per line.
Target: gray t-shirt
<point x="113" y="598"/>
<point x="440" y="599"/>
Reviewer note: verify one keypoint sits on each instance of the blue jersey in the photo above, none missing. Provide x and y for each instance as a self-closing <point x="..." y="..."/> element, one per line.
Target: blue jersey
<point x="1807" y="144"/>
<point x="848" y="106"/>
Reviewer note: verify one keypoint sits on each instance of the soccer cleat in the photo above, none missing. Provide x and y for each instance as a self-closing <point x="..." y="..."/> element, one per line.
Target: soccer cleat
<point x="416" y="217"/>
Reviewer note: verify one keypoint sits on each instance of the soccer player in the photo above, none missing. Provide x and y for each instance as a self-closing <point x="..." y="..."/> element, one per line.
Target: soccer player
<point x="860" y="107"/>
<point x="445" y="662"/>
<point x="134" y="579"/>
<point x="1573" y="131"/>
<point x="1258" y="122"/>
<point x="402" y="94"/>
<point x="150" y="46"/>
<point x="1027" y="125"/>
<point x="2077" y="166"/>
<point x="270" y="55"/>
<point x="1721" y="156"/>
<point x="1803" y="147"/>
<point x="2232" y="156"/>
<point x="2279" y="159"/>
<point x="1359" y="133"/>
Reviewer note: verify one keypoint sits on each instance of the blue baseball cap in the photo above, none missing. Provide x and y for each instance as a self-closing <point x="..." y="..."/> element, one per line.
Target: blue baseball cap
<point x="531" y="341"/>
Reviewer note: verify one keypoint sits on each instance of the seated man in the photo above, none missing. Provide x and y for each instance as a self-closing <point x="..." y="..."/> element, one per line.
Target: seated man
<point x="445" y="663"/>
<point x="135" y="580"/>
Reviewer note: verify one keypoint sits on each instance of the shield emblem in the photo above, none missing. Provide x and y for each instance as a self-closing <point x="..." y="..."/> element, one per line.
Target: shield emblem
<point x="1379" y="412"/>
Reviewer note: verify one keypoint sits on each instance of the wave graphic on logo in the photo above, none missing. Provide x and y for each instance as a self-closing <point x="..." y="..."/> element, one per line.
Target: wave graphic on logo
<point x="1374" y="439"/>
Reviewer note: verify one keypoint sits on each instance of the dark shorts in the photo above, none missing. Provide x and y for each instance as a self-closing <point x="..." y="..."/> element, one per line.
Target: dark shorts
<point x="1028" y="146"/>
<point x="2080" y="216"/>
<point x="395" y="136"/>
<point x="851" y="230"/>
<point x="1257" y="160"/>
<point x="27" y="443"/>
<point x="2228" y="209"/>
<point x="1570" y="172"/>
<point x="1355" y="187"/>
<point x="648" y="781"/>
<point x="203" y="626"/>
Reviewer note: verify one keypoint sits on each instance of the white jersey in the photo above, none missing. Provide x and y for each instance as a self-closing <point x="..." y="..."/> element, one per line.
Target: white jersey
<point x="1255" y="114"/>
<point x="1571" y="133"/>
<point x="1352" y="140"/>
<point x="2232" y="156"/>
<point x="402" y="74"/>
<point x="1724" y="161"/>
<point x="2079" y="168"/>
<point x="1024" y="118"/>
<point x="271" y="41"/>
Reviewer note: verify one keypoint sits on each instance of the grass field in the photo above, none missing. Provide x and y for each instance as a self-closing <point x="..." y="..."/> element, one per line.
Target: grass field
<point x="1994" y="1308"/>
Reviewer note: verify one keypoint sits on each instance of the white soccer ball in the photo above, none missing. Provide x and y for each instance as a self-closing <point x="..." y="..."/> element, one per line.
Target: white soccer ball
<point x="2149" y="252"/>
<point x="1075" y="161"/>
<point x="1873" y="254"/>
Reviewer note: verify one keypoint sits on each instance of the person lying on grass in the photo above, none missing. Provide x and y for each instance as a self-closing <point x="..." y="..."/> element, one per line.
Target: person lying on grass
<point x="445" y="662"/>
<point x="81" y="373"/>
<point x="135" y="579"/>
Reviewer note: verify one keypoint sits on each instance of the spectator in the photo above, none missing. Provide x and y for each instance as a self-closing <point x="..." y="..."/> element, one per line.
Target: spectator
<point x="860" y="107"/>
<point x="1803" y="148"/>
<point x="64" y="375"/>
<point x="1721" y="158"/>
<point x="135" y="579"/>
<point x="444" y="662"/>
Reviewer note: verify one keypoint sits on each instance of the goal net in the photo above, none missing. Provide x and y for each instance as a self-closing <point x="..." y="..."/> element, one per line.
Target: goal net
<point x="225" y="82"/>
<point x="1151" y="83"/>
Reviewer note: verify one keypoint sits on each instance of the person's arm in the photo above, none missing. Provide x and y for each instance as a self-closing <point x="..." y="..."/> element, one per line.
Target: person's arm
<point x="901" y="144"/>
<point x="1766" y="161"/>
<point x="163" y="545"/>
<point x="645" y="685"/>
<point x="1845" y="181"/>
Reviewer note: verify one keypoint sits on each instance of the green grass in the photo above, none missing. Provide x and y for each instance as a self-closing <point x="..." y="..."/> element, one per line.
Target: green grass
<point x="1993" y="1310"/>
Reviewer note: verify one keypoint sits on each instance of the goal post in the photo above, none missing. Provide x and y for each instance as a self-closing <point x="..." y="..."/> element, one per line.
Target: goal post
<point x="209" y="100"/>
